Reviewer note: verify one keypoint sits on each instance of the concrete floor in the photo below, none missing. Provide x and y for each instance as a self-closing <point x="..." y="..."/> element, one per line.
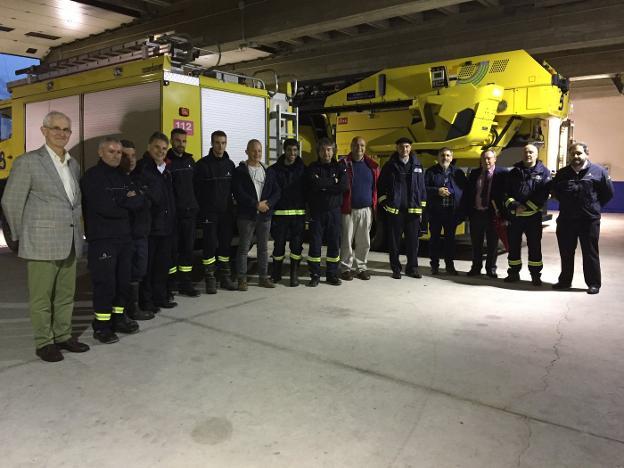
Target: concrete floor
<point x="438" y="372"/>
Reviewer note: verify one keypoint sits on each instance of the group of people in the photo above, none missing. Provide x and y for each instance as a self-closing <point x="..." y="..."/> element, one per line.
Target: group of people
<point x="140" y="220"/>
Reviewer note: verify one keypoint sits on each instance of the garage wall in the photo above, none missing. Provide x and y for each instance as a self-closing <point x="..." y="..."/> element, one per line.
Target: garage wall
<point x="598" y="115"/>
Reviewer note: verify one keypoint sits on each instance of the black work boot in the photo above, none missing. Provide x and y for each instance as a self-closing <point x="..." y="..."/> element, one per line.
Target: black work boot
<point x="294" y="273"/>
<point x="276" y="272"/>
<point x="185" y="285"/>
<point x="133" y="310"/>
<point x="210" y="280"/>
<point x="225" y="278"/>
<point x="121" y="323"/>
<point x="536" y="279"/>
<point x="435" y="268"/>
<point x="103" y="332"/>
<point x="512" y="276"/>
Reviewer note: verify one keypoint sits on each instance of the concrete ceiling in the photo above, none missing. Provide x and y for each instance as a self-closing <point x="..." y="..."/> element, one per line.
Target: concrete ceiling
<point x="318" y="39"/>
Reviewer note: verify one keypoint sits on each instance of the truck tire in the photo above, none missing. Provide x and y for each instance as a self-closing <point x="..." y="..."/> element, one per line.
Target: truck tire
<point x="13" y="245"/>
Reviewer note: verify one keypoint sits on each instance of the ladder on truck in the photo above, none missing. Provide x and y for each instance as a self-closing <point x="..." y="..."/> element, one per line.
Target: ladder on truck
<point x="283" y="124"/>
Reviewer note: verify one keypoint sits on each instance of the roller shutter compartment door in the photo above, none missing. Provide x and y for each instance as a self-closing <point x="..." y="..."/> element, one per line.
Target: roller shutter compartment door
<point x="36" y="111"/>
<point x="131" y="113"/>
<point x="240" y="116"/>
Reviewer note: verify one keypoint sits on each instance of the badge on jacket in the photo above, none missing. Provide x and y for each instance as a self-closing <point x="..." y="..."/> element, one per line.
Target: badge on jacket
<point x="418" y="169"/>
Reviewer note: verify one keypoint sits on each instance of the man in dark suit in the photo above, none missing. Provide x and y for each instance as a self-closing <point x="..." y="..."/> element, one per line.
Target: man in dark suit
<point x="41" y="203"/>
<point x="481" y="202"/>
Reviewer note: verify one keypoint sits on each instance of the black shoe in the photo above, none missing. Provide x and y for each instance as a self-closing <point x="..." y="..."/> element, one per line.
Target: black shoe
<point x="347" y="275"/>
<point x="474" y="272"/>
<point x="125" y="325"/>
<point x="512" y="277"/>
<point x="167" y="304"/>
<point x="414" y="273"/>
<point x="435" y="270"/>
<point x="561" y="286"/>
<point x="294" y="273"/>
<point x="73" y="346"/>
<point x="49" y="353"/>
<point x="536" y="280"/>
<point x="314" y="282"/>
<point x="105" y="336"/>
<point x="149" y="307"/>
<point x="396" y="274"/>
<point x="450" y="270"/>
<point x="140" y="314"/>
<point x="189" y="291"/>
<point x="170" y="296"/>
<point x="593" y="290"/>
<point x="334" y="280"/>
<point x="276" y="271"/>
<point x="491" y="273"/>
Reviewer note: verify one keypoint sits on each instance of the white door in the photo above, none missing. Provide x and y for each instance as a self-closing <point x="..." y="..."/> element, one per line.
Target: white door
<point x="240" y="116"/>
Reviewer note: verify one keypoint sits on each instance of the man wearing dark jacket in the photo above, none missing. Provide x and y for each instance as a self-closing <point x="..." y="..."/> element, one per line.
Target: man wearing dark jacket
<point x="326" y="182"/>
<point x="256" y="193"/>
<point x="107" y="201"/>
<point x="403" y="196"/>
<point x="582" y="189"/>
<point x="481" y="203"/>
<point x="159" y="189"/>
<point x="358" y="205"/>
<point x="213" y="189"/>
<point x="181" y="165"/>
<point x="140" y="224"/>
<point x="288" y="222"/>
<point x="526" y="192"/>
<point x="445" y="185"/>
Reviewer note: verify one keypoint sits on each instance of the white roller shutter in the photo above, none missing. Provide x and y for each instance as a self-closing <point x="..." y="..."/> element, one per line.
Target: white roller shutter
<point x="36" y="111"/>
<point x="240" y="116"/>
<point x="131" y="113"/>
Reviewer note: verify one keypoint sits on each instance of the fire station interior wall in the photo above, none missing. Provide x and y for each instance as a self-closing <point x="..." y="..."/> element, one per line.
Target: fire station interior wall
<point x="131" y="113"/>
<point x="597" y="115"/>
<point x="240" y="116"/>
<point x="36" y="111"/>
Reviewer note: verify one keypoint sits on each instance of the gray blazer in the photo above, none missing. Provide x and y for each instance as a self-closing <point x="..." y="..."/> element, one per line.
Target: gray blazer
<point x="38" y="211"/>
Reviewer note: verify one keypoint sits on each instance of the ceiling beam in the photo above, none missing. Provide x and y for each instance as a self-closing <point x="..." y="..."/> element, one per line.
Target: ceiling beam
<point x="219" y="21"/>
<point x="591" y="24"/>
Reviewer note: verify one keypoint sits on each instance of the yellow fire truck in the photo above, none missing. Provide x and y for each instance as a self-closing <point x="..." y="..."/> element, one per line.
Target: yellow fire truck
<point x="107" y="96"/>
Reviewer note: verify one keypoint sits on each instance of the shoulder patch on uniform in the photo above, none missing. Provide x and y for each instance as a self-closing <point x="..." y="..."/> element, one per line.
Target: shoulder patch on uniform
<point x="418" y="169"/>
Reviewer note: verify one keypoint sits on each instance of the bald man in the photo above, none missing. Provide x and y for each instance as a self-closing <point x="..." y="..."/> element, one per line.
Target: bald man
<point x="526" y="192"/>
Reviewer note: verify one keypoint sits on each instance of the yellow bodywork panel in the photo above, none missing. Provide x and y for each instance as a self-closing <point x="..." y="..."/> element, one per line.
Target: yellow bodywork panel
<point x="178" y="96"/>
<point x="483" y="103"/>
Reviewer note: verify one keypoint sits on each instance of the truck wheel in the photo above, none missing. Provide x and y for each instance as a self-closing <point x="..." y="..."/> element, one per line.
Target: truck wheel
<point x="13" y="245"/>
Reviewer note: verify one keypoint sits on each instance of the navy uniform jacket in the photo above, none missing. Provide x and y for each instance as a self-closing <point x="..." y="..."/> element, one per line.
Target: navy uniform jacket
<point x="434" y="180"/>
<point x="291" y="181"/>
<point x="528" y="186"/>
<point x="247" y="197"/>
<point x="159" y="190"/>
<point x="326" y="183"/>
<point x="582" y="196"/>
<point x="213" y="184"/>
<point x="105" y="203"/>
<point x="181" y="168"/>
<point x="390" y="186"/>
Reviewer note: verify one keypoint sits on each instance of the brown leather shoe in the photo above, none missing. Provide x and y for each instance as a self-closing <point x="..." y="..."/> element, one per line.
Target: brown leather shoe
<point x="73" y="346"/>
<point x="49" y="353"/>
<point x="347" y="275"/>
<point x="364" y="275"/>
<point x="266" y="283"/>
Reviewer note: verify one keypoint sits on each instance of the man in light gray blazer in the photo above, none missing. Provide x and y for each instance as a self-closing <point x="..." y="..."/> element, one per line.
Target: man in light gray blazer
<point x="41" y="203"/>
